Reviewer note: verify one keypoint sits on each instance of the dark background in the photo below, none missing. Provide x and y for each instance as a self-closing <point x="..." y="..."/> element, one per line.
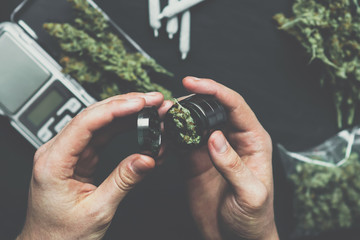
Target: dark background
<point x="234" y="42"/>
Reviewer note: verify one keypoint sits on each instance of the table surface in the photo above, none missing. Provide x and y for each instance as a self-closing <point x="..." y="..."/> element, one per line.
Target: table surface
<point x="233" y="42"/>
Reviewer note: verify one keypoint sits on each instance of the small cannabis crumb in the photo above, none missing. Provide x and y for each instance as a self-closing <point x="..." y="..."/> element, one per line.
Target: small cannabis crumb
<point x="185" y="123"/>
<point x="98" y="59"/>
<point x="330" y="32"/>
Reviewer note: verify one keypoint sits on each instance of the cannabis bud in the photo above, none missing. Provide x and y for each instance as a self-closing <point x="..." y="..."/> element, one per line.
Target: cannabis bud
<point x="187" y="124"/>
<point x="326" y="198"/>
<point x="190" y="122"/>
<point x="99" y="59"/>
<point x="330" y="33"/>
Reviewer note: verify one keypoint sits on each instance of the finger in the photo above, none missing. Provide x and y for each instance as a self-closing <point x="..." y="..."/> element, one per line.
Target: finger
<point x="151" y="98"/>
<point x="127" y="174"/>
<point x="247" y="188"/>
<point x="129" y="122"/>
<point x="240" y="114"/>
<point x="78" y="133"/>
<point x="166" y="105"/>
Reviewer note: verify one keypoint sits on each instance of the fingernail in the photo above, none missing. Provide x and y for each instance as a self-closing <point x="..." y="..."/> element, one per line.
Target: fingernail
<point x="139" y="167"/>
<point x="152" y="94"/>
<point x="195" y="78"/>
<point x="219" y="143"/>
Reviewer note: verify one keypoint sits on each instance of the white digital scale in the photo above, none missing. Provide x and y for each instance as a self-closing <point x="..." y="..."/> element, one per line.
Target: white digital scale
<point x="37" y="98"/>
<point x="35" y="95"/>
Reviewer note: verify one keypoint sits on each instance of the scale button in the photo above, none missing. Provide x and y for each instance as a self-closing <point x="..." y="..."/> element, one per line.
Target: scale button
<point x="72" y="104"/>
<point x="44" y="134"/>
<point x="62" y="123"/>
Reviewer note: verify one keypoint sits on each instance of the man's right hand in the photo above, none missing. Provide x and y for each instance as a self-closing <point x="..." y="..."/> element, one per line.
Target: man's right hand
<point x="230" y="180"/>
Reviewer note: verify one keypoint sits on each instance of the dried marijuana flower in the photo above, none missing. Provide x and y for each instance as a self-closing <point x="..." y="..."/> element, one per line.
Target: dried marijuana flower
<point x="185" y="124"/>
<point x="80" y="70"/>
<point x="326" y="198"/>
<point x="330" y="32"/>
<point x="96" y="57"/>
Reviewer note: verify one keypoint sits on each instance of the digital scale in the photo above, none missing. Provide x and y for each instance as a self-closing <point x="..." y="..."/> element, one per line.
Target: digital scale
<point x="37" y="98"/>
<point x="35" y="95"/>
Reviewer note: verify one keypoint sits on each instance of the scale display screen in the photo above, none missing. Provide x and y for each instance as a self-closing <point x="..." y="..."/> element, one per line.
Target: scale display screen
<point x="44" y="108"/>
<point x="20" y="75"/>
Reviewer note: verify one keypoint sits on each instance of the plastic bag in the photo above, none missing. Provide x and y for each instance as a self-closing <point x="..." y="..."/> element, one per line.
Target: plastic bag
<point x="326" y="182"/>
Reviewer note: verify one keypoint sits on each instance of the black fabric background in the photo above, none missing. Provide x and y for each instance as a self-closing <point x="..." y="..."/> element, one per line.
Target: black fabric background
<point x="234" y="42"/>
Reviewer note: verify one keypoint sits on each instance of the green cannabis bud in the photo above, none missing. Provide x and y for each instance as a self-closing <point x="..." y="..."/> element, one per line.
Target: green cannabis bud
<point x="330" y="33"/>
<point x="185" y="124"/>
<point x="98" y="59"/>
<point x="326" y="198"/>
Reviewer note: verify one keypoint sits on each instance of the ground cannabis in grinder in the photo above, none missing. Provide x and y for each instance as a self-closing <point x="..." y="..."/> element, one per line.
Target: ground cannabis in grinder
<point x="329" y="30"/>
<point x="97" y="58"/>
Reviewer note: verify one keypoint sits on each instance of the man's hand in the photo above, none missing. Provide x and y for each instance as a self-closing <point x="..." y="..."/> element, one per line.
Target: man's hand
<point x="230" y="182"/>
<point x="63" y="204"/>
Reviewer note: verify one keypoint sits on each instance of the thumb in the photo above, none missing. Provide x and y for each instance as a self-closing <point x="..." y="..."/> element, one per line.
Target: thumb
<point x="124" y="177"/>
<point x="246" y="186"/>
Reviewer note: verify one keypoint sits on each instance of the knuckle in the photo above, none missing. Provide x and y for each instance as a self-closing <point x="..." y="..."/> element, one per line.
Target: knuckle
<point x="267" y="136"/>
<point x="234" y="163"/>
<point x="239" y="97"/>
<point x="113" y="104"/>
<point x="80" y="117"/>
<point x="39" y="153"/>
<point x="104" y="220"/>
<point x="124" y="179"/>
<point x="133" y="94"/>
<point x="268" y="140"/>
<point x="240" y="100"/>
<point x="39" y="170"/>
<point x="39" y="166"/>
<point x="93" y="105"/>
<point x="264" y="141"/>
<point x="257" y="201"/>
<point x="101" y="217"/>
